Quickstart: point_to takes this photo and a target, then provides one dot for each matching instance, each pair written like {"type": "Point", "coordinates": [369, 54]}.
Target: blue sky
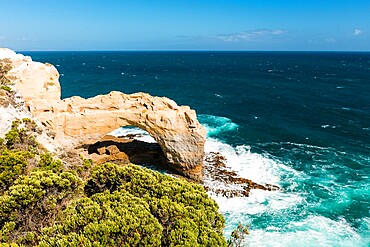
{"type": "Point", "coordinates": [185, 25]}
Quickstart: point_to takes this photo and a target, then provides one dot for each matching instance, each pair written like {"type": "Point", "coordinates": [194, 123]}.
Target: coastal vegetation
{"type": "Point", "coordinates": [5, 67]}
{"type": "Point", "coordinates": [238, 236]}
{"type": "Point", "coordinates": [6, 88]}
{"type": "Point", "coordinates": [46, 202]}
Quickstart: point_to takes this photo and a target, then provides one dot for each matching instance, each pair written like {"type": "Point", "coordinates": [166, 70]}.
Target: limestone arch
{"type": "Point", "coordinates": [75, 120]}
{"type": "Point", "coordinates": [175, 128]}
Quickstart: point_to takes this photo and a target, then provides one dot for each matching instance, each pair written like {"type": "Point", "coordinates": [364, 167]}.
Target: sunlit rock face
{"type": "Point", "coordinates": [78, 121]}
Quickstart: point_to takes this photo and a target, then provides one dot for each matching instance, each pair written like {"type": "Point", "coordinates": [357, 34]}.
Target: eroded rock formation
{"type": "Point", "coordinates": [78, 121]}
{"type": "Point", "coordinates": [221, 180]}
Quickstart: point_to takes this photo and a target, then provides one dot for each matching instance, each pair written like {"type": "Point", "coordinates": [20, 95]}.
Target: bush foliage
{"type": "Point", "coordinates": [188, 216]}
{"type": "Point", "coordinates": [45, 204]}
{"type": "Point", "coordinates": [105, 219]}
{"type": "Point", "coordinates": [12, 165]}
{"type": "Point", "coordinates": [6, 88]}
{"type": "Point", "coordinates": [21, 135]}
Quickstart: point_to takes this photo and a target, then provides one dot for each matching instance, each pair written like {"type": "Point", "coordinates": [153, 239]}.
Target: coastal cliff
{"type": "Point", "coordinates": [76, 121]}
{"type": "Point", "coordinates": [49, 199]}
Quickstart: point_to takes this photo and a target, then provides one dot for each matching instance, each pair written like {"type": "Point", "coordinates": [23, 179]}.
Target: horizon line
{"type": "Point", "coordinates": [183, 50]}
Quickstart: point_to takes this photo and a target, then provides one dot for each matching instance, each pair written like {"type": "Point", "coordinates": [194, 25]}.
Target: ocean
{"type": "Point", "coordinates": [299, 120]}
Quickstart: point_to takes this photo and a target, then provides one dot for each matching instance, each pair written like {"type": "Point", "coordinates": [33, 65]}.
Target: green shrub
{"type": "Point", "coordinates": [48, 163]}
{"type": "Point", "coordinates": [6, 88]}
{"type": "Point", "coordinates": [188, 216]}
{"type": "Point", "coordinates": [13, 136]}
{"type": "Point", "coordinates": [238, 236]}
{"type": "Point", "coordinates": [9, 245]}
{"type": "Point", "coordinates": [22, 137]}
{"type": "Point", "coordinates": [33, 202]}
{"type": "Point", "coordinates": [12, 165]}
{"type": "Point", "coordinates": [81, 165]}
{"type": "Point", "coordinates": [105, 219]}
{"type": "Point", "coordinates": [42, 203]}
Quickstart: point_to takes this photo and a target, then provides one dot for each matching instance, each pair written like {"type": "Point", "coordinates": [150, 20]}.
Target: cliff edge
{"type": "Point", "coordinates": [77, 121]}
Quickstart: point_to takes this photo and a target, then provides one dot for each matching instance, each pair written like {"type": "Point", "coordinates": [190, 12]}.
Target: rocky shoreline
{"type": "Point", "coordinates": [232, 184]}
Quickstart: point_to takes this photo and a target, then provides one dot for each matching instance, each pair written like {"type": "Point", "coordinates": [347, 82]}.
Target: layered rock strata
{"type": "Point", "coordinates": [77, 121]}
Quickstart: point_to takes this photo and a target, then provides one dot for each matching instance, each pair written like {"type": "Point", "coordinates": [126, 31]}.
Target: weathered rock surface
{"type": "Point", "coordinates": [226, 182]}
{"type": "Point", "coordinates": [77, 121]}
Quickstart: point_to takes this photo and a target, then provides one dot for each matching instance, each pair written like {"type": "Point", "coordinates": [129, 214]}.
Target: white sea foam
{"type": "Point", "coordinates": [140, 134]}
{"type": "Point", "coordinates": [249, 165]}
{"type": "Point", "coordinates": [260, 169]}
{"type": "Point", "coordinates": [312, 231]}
{"type": "Point", "coordinates": [300, 145]}
{"type": "Point", "coordinates": [324, 126]}
{"type": "Point", "coordinates": [258, 202]}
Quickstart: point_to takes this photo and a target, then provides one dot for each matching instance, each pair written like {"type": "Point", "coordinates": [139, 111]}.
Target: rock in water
{"type": "Point", "coordinates": [77, 120]}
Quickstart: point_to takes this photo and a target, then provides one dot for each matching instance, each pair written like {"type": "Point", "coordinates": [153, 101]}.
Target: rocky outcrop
{"type": "Point", "coordinates": [78, 121]}
{"type": "Point", "coordinates": [221, 180]}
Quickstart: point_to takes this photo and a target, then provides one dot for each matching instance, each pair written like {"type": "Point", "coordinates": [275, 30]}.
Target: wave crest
{"type": "Point", "coordinates": [216, 125]}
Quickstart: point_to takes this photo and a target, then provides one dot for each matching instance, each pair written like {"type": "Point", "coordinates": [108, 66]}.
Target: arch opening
{"type": "Point", "coordinates": [129, 144]}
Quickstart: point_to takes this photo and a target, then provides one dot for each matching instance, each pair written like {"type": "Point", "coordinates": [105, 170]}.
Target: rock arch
{"type": "Point", "coordinates": [77, 120]}
{"type": "Point", "coordinates": [175, 128]}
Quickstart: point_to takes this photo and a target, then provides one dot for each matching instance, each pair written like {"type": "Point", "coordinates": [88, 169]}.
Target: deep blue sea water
{"type": "Point", "coordinates": [300, 120]}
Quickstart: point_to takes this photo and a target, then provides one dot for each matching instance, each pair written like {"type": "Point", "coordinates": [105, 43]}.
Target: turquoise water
{"type": "Point", "coordinates": [297, 120]}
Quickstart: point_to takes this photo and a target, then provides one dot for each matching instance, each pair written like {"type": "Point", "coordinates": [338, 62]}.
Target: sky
{"type": "Point", "coordinates": [251, 25]}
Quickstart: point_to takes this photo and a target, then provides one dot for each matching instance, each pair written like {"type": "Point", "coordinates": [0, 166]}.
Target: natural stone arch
{"type": "Point", "coordinates": [76, 120]}
{"type": "Point", "coordinates": [175, 128]}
